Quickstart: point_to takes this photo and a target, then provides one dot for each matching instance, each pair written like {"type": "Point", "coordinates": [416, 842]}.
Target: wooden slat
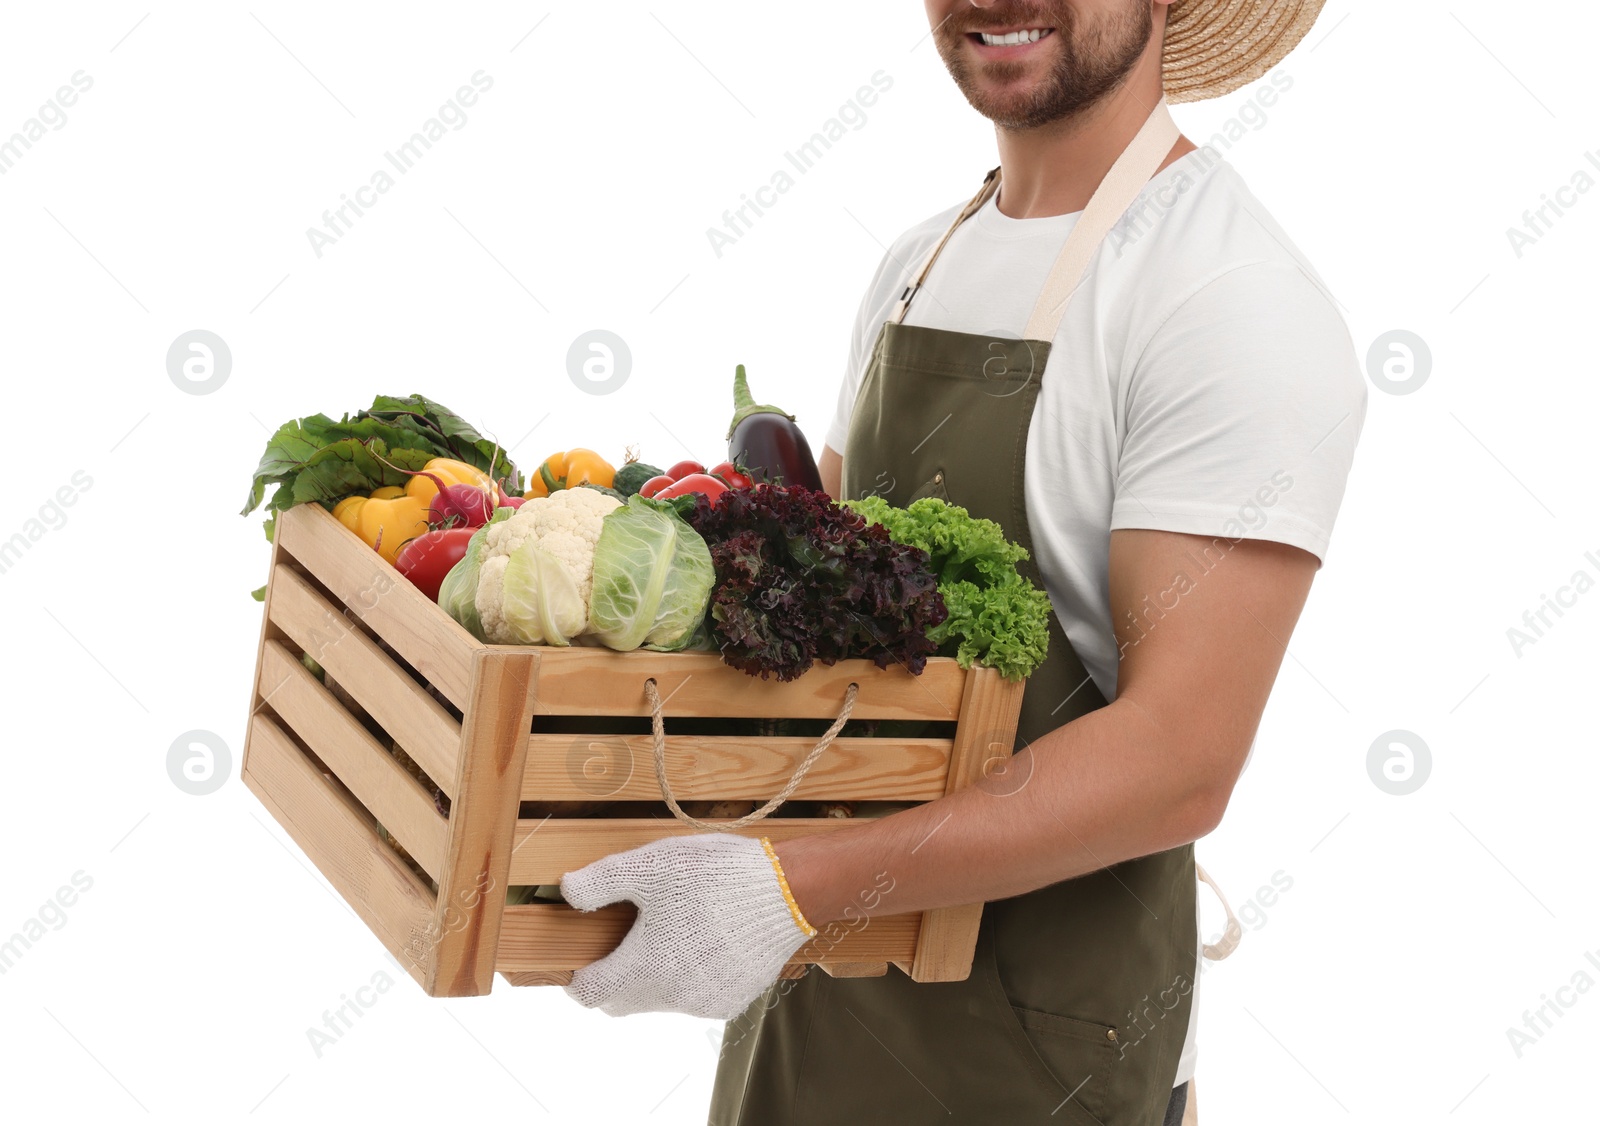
{"type": "Point", "coordinates": [856, 969]}
{"type": "Point", "coordinates": [364, 765]}
{"type": "Point", "coordinates": [428, 638]}
{"type": "Point", "coordinates": [728, 767]}
{"type": "Point", "coordinates": [552, 936]}
{"type": "Point", "coordinates": [414, 719]}
{"type": "Point", "coordinates": [881, 938]}
{"type": "Point", "coordinates": [987, 731]}
{"type": "Point", "coordinates": [540, 977]}
{"type": "Point", "coordinates": [338, 838]}
{"type": "Point", "coordinates": [587, 680]}
{"type": "Point", "coordinates": [546, 850]}
{"type": "Point", "coordinates": [495, 724]}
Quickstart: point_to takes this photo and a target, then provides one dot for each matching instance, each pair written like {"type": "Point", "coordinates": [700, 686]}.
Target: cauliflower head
{"type": "Point", "coordinates": [546, 551]}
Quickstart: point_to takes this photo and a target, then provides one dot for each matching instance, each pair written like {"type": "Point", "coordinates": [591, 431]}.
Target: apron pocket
{"type": "Point", "coordinates": [1079, 1054]}
{"type": "Point", "coordinates": [932, 487]}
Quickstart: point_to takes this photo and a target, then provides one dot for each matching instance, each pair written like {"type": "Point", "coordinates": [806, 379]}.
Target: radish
{"type": "Point", "coordinates": [465, 506]}
{"type": "Point", "coordinates": [507, 500]}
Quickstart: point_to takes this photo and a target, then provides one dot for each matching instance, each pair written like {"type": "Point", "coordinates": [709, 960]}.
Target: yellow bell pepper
{"type": "Point", "coordinates": [385, 520]}
{"type": "Point", "coordinates": [451, 472]}
{"type": "Point", "coordinates": [568, 470]}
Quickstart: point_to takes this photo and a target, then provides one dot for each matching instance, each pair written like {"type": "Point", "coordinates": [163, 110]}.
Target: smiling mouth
{"type": "Point", "coordinates": [1010, 38]}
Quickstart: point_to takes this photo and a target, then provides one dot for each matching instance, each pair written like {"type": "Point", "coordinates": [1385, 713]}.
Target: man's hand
{"type": "Point", "coordinates": [714, 927]}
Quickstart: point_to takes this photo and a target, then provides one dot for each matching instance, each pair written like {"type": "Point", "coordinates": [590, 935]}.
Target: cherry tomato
{"type": "Point", "coordinates": [694, 483]}
{"type": "Point", "coordinates": [427, 559]}
{"type": "Point", "coordinates": [730, 475]}
{"type": "Point", "coordinates": [683, 468]}
{"type": "Point", "coordinates": [653, 486]}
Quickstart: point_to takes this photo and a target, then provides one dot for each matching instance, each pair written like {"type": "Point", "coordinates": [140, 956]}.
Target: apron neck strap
{"type": "Point", "coordinates": [1116, 193]}
{"type": "Point", "coordinates": [991, 184]}
{"type": "Point", "coordinates": [1122, 184]}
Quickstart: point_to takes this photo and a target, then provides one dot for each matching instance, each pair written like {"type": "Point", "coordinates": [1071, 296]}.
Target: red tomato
{"type": "Point", "coordinates": [653, 486]}
{"type": "Point", "coordinates": [427, 559]}
{"type": "Point", "coordinates": [681, 470]}
{"type": "Point", "coordinates": [729, 475]}
{"type": "Point", "coordinates": [694, 483]}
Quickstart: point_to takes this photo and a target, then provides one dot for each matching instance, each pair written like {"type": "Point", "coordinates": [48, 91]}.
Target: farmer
{"type": "Point", "coordinates": [1115, 352]}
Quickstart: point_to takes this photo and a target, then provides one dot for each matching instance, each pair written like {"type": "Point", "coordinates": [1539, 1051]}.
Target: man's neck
{"type": "Point", "coordinates": [1053, 170]}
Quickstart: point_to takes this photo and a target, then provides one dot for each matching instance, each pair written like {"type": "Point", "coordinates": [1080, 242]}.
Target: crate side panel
{"type": "Point", "coordinates": [585, 680]}
{"type": "Point", "coordinates": [428, 638]}
{"type": "Point", "coordinates": [418, 722]}
{"type": "Point", "coordinates": [733, 768]}
{"type": "Point", "coordinates": [545, 850]}
{"type": "Point", "coordinates": [366, 767]}
{"type": "Point", "coordinates": [545, 937]}
{"type": "Point", "coordinates": [383, 892]}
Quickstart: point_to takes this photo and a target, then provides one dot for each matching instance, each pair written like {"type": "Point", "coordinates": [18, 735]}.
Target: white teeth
{"type": "Point", "coordinates": [1011, 39]}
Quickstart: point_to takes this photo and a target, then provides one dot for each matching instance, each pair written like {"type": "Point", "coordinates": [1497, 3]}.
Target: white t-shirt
{"type": "Point", "coordinates": [1202, 381]}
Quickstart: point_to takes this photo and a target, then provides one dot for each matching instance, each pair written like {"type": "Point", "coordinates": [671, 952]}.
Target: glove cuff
{"type": "Point", "coordinates": [788, 896]}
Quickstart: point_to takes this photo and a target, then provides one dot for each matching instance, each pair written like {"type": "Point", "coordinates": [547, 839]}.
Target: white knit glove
{"type": "Point", "coordinates": [714, 926]}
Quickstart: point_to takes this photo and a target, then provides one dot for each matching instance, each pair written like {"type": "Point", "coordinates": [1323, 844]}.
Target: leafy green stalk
{"type": "Point", "coordinates": [997, 616]}
{"type": "Point", "coordinates": [317, 459]}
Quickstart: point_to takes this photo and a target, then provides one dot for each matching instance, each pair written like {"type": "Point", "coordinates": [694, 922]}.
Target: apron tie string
{"type": "Point", "coordinates": [1216, 951]}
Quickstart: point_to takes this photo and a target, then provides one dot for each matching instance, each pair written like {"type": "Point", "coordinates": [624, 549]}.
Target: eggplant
{"type": "Point", "coordinates": [766, 441]}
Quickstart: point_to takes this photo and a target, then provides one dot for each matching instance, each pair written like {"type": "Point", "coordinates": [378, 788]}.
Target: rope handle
{"type": "Point", "coordinates": [658, 730]}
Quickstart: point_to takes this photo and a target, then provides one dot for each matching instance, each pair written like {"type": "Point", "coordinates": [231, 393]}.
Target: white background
{"type": "Point", "coordinates": [181, 986]}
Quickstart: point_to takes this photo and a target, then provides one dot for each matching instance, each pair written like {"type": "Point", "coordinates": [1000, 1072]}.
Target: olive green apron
{"type": "Point", "coordinates": [1078, 1002]}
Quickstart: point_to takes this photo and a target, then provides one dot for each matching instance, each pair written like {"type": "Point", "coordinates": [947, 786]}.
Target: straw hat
{"type": "Point", "coordinates": [1213, 47]}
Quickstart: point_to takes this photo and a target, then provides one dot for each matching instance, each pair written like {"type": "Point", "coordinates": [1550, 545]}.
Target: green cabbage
{"type": "Point", "coordinates": [652, 578]}
{"type": "Point", "coordinates": [458, 593]}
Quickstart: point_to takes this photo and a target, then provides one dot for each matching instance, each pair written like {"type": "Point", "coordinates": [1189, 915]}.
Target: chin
{"type": "Point", "coordinates": [1007, 92]}
{"type": "Point", "coordinates": [1012, 107]}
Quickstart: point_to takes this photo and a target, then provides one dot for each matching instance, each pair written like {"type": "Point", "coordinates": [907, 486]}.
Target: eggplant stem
{"type": "Point", "coordinates": [745, 405]}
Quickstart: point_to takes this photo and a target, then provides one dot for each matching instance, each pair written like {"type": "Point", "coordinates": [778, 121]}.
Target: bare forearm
{"type": "Point", "coordinates": [1102, 789]}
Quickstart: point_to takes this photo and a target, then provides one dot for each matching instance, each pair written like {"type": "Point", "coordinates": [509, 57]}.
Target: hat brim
{"type": "Point", "coordinates": [1213, 47]}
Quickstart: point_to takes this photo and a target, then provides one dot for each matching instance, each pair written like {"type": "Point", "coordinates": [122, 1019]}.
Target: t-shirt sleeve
{"type": "Point", "coordinates": [1242, 413]}
{"type": "Point", "coordinates": [862, 337]}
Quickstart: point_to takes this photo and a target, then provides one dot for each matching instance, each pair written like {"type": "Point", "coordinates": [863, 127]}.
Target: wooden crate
{"type": "Point", "coordinates": [469, 714]}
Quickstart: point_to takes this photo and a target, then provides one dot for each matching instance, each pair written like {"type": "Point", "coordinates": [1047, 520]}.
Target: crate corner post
{"type": "Point", "coordinates": [985, 731]}
{"type": "Point", "coordinates": [495, 727]}
{"type": "Point", "coordinates": [268, 632]}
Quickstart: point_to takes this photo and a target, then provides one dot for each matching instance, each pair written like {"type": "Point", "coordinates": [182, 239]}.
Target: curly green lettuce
{"type": "Point", "coordinates": [997, 616]}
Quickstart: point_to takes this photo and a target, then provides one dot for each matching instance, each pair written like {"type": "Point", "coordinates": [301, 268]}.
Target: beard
{"type": "Point", "coordinates": [1092, 60]}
